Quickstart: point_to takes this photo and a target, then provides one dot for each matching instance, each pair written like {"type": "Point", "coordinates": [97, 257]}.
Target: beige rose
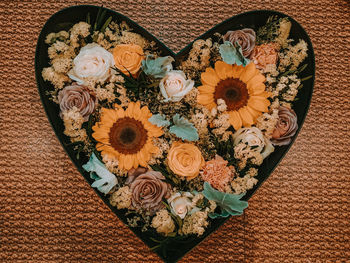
{"type": "Point", "coordinates": [185, 159]}
{"type": "Point", "coordinates": [128, 58]}
{"type": "Point", "coordinates": [181, 204]}
{"type": "Point", "coordinates": [92, 62]}
{"type": "Point", "coordinates": [174, 86]}
{"type": "Point", "coordinates": [265, 54]}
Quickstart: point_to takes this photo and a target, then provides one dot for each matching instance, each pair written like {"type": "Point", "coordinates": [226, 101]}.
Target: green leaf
{"type": "Point", "coordinates": [232, 54]}
{"type": "Point", "coordinates": [230, 204]}
{"type": "Point", "coordinates": [159, 120]}
{"type": "Point", "coordinates": [183, 129]}
{"type": "Point", "coordinates": [106, 180]}
{"type": "Point", "coordinates": [157, 67]}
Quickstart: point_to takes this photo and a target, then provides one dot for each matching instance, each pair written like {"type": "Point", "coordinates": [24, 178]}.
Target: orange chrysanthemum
{"type": "Point", "coordinates": [242, 89]}
{"type": "Point", "coordinates": [126, 135]}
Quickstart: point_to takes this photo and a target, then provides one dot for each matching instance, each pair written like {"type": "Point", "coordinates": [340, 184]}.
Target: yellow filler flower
{"type": "Point", "coordinates": [126, 135]}
{"type": "Point", "coordinates": [242, 89]}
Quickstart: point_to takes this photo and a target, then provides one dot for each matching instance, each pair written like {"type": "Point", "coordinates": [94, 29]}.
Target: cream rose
{"type": "Point", "coordinates": [185, 159]}
{"type": "Point", "coordinates": [128, 58]}
{"type": "Point", "coordinates": [174, 86]}
{"type": "Point", "coordinates": [92, 62]}
{"type": "Point", "coordinates": [181, 204]}
{"type": "Point", "coordinates": [254, 138]}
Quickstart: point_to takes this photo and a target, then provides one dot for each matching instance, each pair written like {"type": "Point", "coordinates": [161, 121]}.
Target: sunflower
{"type": "Point", "coordinates": [242, 89]}
{"type": "Point", "coordinates": [126, 135]}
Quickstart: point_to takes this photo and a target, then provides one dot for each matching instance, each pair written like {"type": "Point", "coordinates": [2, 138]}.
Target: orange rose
{"type": "Point", "coordinates": [128, 58]}
{"type": "Point", "coordinates": [185, 159]}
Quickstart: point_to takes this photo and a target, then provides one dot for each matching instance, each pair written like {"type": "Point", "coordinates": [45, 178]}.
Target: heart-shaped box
{"type": "Point", "coordinates": [65, 18]}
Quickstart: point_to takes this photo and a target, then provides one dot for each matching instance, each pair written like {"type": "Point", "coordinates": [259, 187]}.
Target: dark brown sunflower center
{"type": "Point", "coordinates": [233, 91]}
{"type": "Point", "coordinates": [127, 135]}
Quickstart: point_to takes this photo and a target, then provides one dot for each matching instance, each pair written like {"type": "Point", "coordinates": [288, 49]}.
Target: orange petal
{"type": "Point", "coordinates": [237, 71]}
{"type": "Point", "coordinates": [255, 88]}
{"type": "Point", "coordinates": [248, 72]}
{"type": "Point", "coordinates": [145, 112]}
{"type": "Point", "coordinates": [258, 78]}
{"type": "Point", "coordinates": [206, 89]}
{"type": "Point", "coordinates": [128, 161]}
{"type": "Point", "coordinates": [253, 112]}
{"type": "Point", "coordinates": [259, 103]}
{"type": "Point", "coordinates": [130, 110]}
{"type": "Point", "coordinates": [205, 99]}
{"type": "Point", "coordinates": [247, 118]}
{"type": "Point", "coordinates": [235, 119]}
{"type": "Point", "coordinates": [209, 77]}
{"type": "Point", "coordinates": [223, 70]}
{"type": "Point", "coordinates": [141, 159]}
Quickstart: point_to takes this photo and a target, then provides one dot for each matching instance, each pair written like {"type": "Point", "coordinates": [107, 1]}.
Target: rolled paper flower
{"type": "Point", "coordinates": [77, 96]}
{"type": "Point", "coordinates": [245, 38]}
{"type": "Point", "coordinates": [148, 190]}
{"type": "Point", "coordinates": [265, 54]}
{"type": "Point", "coordinates": [128, 58]}
{"type": "Point", "coordinates": [185, 159]}
{"type": "Point", "coordinates": [286, 126]}
{"type": "Point", "coordinates": [92, 62]}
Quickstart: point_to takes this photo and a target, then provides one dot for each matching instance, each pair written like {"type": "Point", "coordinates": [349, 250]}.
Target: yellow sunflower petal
{"type": "Point", "coordinates": [255, 88]}
{"type": "Point", "coordinates": [259, 103]}
{"type": "Point", "coordinates": [209, 77]}
{"type": "Point", "coordinates": [254, 113]}
{"type": "Point", "coordinates": [121, 159]}
{"type": "Point", "coordinates": [205, 98]}
{"type": "Point", "coordinates": [137, 111]}
{"type": "Point", "coordinates": [130, 110]}
{"type": "Point", "coordinates": [247, 118]}
{"type": "Point", "coordinates": [141, 159]}
{"type": "Point", "coordinates": [235, 119]}
{"type": "Point", "coordinates": [237, 71]}
{"type": "Point", "coordinates": [108, 116]}
{"type": "Point", "coordinates": [223, 70]}
{"type": "Point", "coordinates": [206, 89]}
{"type": "Point", "coordinates": [145, 112]}
{"type": "Point", "coordinates": [257, 78]}
{"type": "Point", "coordinates": [248, 72]}
{"type": "Point", "coordinates": [128, 161]}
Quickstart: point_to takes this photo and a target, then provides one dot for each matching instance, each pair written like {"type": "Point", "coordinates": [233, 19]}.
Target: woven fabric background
{"type": "Point", "coordinates": [48, 213]}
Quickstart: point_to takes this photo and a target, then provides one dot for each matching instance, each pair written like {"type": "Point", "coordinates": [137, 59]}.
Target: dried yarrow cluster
{"type": "Point", "coordinates": [175, 147]}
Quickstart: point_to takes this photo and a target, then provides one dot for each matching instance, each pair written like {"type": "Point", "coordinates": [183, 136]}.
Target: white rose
{"type": "Point", "coordinates": [174, 86]}
{"type": "Point", "coordinates": [254, 138]}
{"type": "Point", "coordinates": [92, 62]}
{"type": "Point", "coordinates": [180, 204]}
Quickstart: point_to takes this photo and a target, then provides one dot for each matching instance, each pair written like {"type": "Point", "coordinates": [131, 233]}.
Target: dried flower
{"type": "Point", "coordinates": [77, 96]}
{"type": "Point", "coordinates": [128, 58]}
{"type": "Point", "coordinates": [245, 38]}
{"type": "Point", "coordinates": [185, 159]}
{"type": "Point", "coordinates": [264, 55]}
{"type": "Point", "coordinates": [148, 190]}
{"type": "Point", "coordinates": [286, 126]}
{"type": "Point", "coordinates": [217, 173]}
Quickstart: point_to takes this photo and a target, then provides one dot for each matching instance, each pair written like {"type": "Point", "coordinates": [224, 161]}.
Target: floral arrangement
{"type": "Point", "coordinates": [175, 144]}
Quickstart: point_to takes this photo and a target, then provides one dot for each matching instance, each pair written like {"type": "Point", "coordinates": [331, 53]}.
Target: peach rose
{"type": "Point", "coordinates": [185, 159]}
{"type": "Point", "coordinates": [265, 54]}
{"type": "Point", "coordinates": [128, 58]}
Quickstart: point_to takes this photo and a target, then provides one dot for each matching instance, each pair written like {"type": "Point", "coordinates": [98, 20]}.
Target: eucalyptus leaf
{"type": "Point", "coordinates": [105, 180]}
{"type": "Point", "coordinates": [230, 204]}
{"type": "Point", "coordinates": [159, 120]}
{"type": "Point", "coordinates": [232, 54]}
{"type": "Point", "coordinates": [183, 129]}
{"type": "Point", "coordinates": [157, 67]}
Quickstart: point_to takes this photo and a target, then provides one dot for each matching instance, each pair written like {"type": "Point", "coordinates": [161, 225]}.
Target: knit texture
{"type": "Point", "coordinates": [48, 213]}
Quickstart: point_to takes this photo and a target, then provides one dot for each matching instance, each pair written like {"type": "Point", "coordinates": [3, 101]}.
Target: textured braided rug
{"type": "Point", "coordinates": [48, 213]}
